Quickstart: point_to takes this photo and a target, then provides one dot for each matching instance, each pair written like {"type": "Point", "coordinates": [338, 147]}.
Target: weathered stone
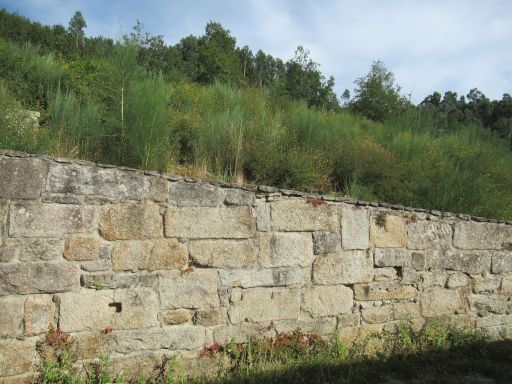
{"type": "Point", "coordinates": [262, 216]}
{"type": "Point", "coordinates": [428, 234]}
{"type": "Point", "coordinates": [204, 223]}
{"type": "Point", "coordinates": [355, 228]}
{"type": "Point", "coordinates": [493, 321]}
{"type": "Point", "coordinates": [385, 274]}
{"type": "Point", "coordinates": [223, 253]}
{"type": "Point", "coordinates": [383, 291]}
{"type": "Point", "coordinates": [7, 254]}
{"type": "Point", "coordinates": [438, 301]}
{"type": "Point", "coordinates": [11, 317]}
{"type": "Point", "coordinates": [248, 278]}
{"type": "Point", "coordinates": [39, 314]}
{"type": "Point", "coordinates": [501, 262]}
{"type": "Point", "coordinates": [118, 280]}
{"type": "Point", "coordinates": [21, 379]}
{"type": "Point", "coordinates": [91, 345]}
{"type": "Point", "coordinates": [474, 262]}
{"type": "Point", "coordinates": [346, 267]}
{"type": "Point", "coordinates": [457, 280]}
{"type": "Point", "coordinates": [485, 304]}
{"type": "Point", "coordinates": [320, 326]}
{"type": "Point", "coordinates": [22, 179]}
{"type": "Point", "coordinates": [433, 278]}
{"type": "Point", "coordinates": [265, 304]}
{"type": "Point", "coordinates": [107, 183]}
{"type": "Point", "coordinates": [158, 189]}
{"type": "Point", "coordinates": [4, 208]}
{"type": "Point", "coordinates": [388, 231]}
{"type": "Point", "coordinates": [17, 357]}
{"type": "Point", "coordinates": [208, 317]}
{"type": "Point", "coordinates": [240, 333]}
{"type": "Point", "coordinates": [391, 312]}
{"type": "Point", "coordinates": [239, 197]}
{"type": "Point", "coordinates": [389, 257]}
{"type": "Point", "coordinates": [196, 194]}
{"type": "Point", "coordinates": [418, 260]}
{"type": "Point", "coordinates": [38, 249]}
{"type": "Point", "coordinates": [328, 300]}
{"type": "Point", "coordinates": [119, 309]}
{"type": "Point", "coordinates": [97, 265]}
{"type": "Point", "coordinates": [176, 316]}
{"type": "Point", "coordinates": [135, 366]}
{"type": "Point", "coordinates": [506, 287]}
{"type": "Point", "coordinates": [82, 248]}
{"type": "Point", "coordinates": [472, 235]}
{"type": "Point", "coordinates": [38, 277]}
{"type": "Point", "coordinates": [288, 249]}
{"type": "Point", "coordinates": [131, 221]}
{"type": "Point", "coordinates": [486, 283]}
{"type": "Point", "coordinates": [183, 337]}
{"type": "Point", "coordinates": [195, 289]}
{"type": "Point", "coordinates": [296, 215]}
{"type": "Point", "coordinates": [326, 242]}
{"type": "Point", "coordinates": [50, 220]}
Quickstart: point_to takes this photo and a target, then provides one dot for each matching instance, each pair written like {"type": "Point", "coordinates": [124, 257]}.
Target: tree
{"type": "Point", "coordinates": [76, 28]}
{"type": "Point", "coordinates": [376, 96]}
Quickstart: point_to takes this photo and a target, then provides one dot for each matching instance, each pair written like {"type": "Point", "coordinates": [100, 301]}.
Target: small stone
{"type": "Point", "coordinates": [39, 314]}
{"type": "Point", "coordinates": [177, 316]}
{"type": "Point", "coordinates": [131, 221]}
{"type": "Point", "coordinates": [457, 280]}
{"type": "Point", "coordinates": [159, 189]}
{"type": "Point", "coordinates": [209, 317]}
{"type": "Point", "coordinates": [82, 248]}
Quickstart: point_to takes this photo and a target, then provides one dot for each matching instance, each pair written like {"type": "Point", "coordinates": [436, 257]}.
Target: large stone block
{"type": "Point", "coordinates": [287, 249]}
{"type": "Point", "coordinates": [264, 304]}
{"type": "Point", "coordinates": [472, 235]}
{"type": "Point", "coordinates": [296, 215]}
{"type": "Point", "coordinates": [391, 312]}
{"type": "Point", "coordinates": [11, 317]}
{"type": "Point", "coordinates": [346, 267]}
{"type": "Point", "coordinates": [82, 248]}
{"type": "Point", "coordinates": [214, 223]}
{"type": "Point", "coordinates": [149, 255]}
{"type": "Point", "coordinates": [393, 257]}
{"type": "Point", "coordinates": [50, 220]}
{"type": "Point", "coordinates": [428, 234]}
{"type": "Point", "coordinates": [249, 278]}
{"type": "Point", "coordinates": [438, 301]}
{"type": "Point", "coordinates": [131, 221]}
{"type": "Point", "coordinates": [485, 304]}
{"type": "Point", "coordinates": [22, 179]}
{"type": "Point", "coordinates": [106, 183]}
{"type": "Point", "coordinates": [383, 291]}
{"type": "Point", "coordinates": [326, 242]}
{"type": "Point", "coordinates": [195, 194]}
{"type": "Point", "coordinates": [333, 300]}
{"type": "Point", "coordinates": [355, 228]}
{"type": "Point", "coordinates": [27, 278]}
{"type": "Point", "coordinates": [90, 310]}
{"type": "Point", "coordinates": [474, 262]}
{"type": "Point", "coordinates": [192, 290]}
{"type": "Point", "coordinates": [221, 253]}
{"type": "Point", "coordinates": [388, 231]}
{"type": "Point", "coordinates": [17, 357]}
{"type": "Point", "coordinates": [39, 314]}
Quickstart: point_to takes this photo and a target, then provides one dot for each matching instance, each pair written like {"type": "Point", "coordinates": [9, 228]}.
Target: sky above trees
{"type": "Point", "coordinates": [435, 45]}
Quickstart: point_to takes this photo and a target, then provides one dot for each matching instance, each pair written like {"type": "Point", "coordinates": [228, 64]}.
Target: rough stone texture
{"type": "Point", "coordinates": [159, 189]}
{"type": "Point", "coordinates": [391, 257]}
{"type": "Point", "coordinates": [194, 289]}
{"type": "Point", "coordinates": [109, 183]}
{"type": "Point", "coordinates": [326, 242]}
{"type": "Point", "coordinates": [249, 278]}
{"type": "Point", "coordinates": [288, 249]}
{"type": "Point", "coordinates": [469, 262]}
{"type": "Point", "coordinates": [39, 314]}
{"type": "Point", "coordinates": [176, 316]}
{"type": "Point", "coordinates": [38, 278]}
{"type": "Point", "coordinates": [96, 310]}
{"type": "Point", "coordinates": [50, 220]}
{"type": "Point", "coordinates": [7, 254]}
{"type": "Point", "coordinates": [262, 216]}
{"type": "Point", "coordinates": [296, 215]}
{"type": "Point", "coordinates": [328, 300]}
{"type": "Point", "coordinates": [37, 249]}
{"type": "Point", "coordinates": [391, 234]}
{"type": "Point", "coordinates": [195, 194]}
{"type": "Point", "coordinates": [17, 357]}
{"type": "Point", "coordinates": [485, 304]}
{"type": "Point", "coordinates": [391, 312]}
{"type": "Point", "coordinates": [239, 197]}
{"type": "Point", "coordinates": [506, 287]}
{"type": "Point", "coordinates": [428, 235]}
{"type": "Point", "coordinates": [383, 291]}
{"type": "Point", "coordinates": [204, 223]}
{"type": "Point", "coordinates": [4, 208]}
{"type": "Point", "coordinates": [355, 228]}
{"type": "Point", "coordinates": [131, 221]}
{"type": "Point", "coordinates": [471, 235]}
{"type": "Point", "coordinates": [321, 326]}
{"type": "Point", "coordinates": [22, 179]}
{"type": "Point", "coordinates": [501, 262]}
{"type": "Point", "coordinates": [240, 333]}
{"type": "Point", "coordinates": [97, 265]}
{"type": "Point", "coordinates": [11, 317]}
{"type": "Point", "coordinates": [457, 280]}
{"type": "Point", "coordinates": [118, 280]}
{"type": "Point", "coordinates": [82, 248]}
{"type": "Point", "coordinates": [346, 267]}
{"type": "Point", "coordinates": [90, 345]}
{"type": "Point", "coordinates": [438, 301]}
{"type": "Point", "coordinates": [149, 255]}
{"type": "Point", "coordinates": [486, 284]}
{"type": "Point", "coordinates": [223, 253]}
{"type": "Point", "coordinates": [210, 317]}
{"type": "Point", "coordinates": [264, 304]}
{"type": "Point", "coordinates": [385, 274]}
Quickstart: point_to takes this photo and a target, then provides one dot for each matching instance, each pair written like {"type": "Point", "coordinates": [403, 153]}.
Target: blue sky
{"type": "Point", "coordinates": [429, 44]}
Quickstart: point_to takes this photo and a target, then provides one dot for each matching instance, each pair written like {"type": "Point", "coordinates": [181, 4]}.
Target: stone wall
{"type": "Point", "coordinates": [137, 264]}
